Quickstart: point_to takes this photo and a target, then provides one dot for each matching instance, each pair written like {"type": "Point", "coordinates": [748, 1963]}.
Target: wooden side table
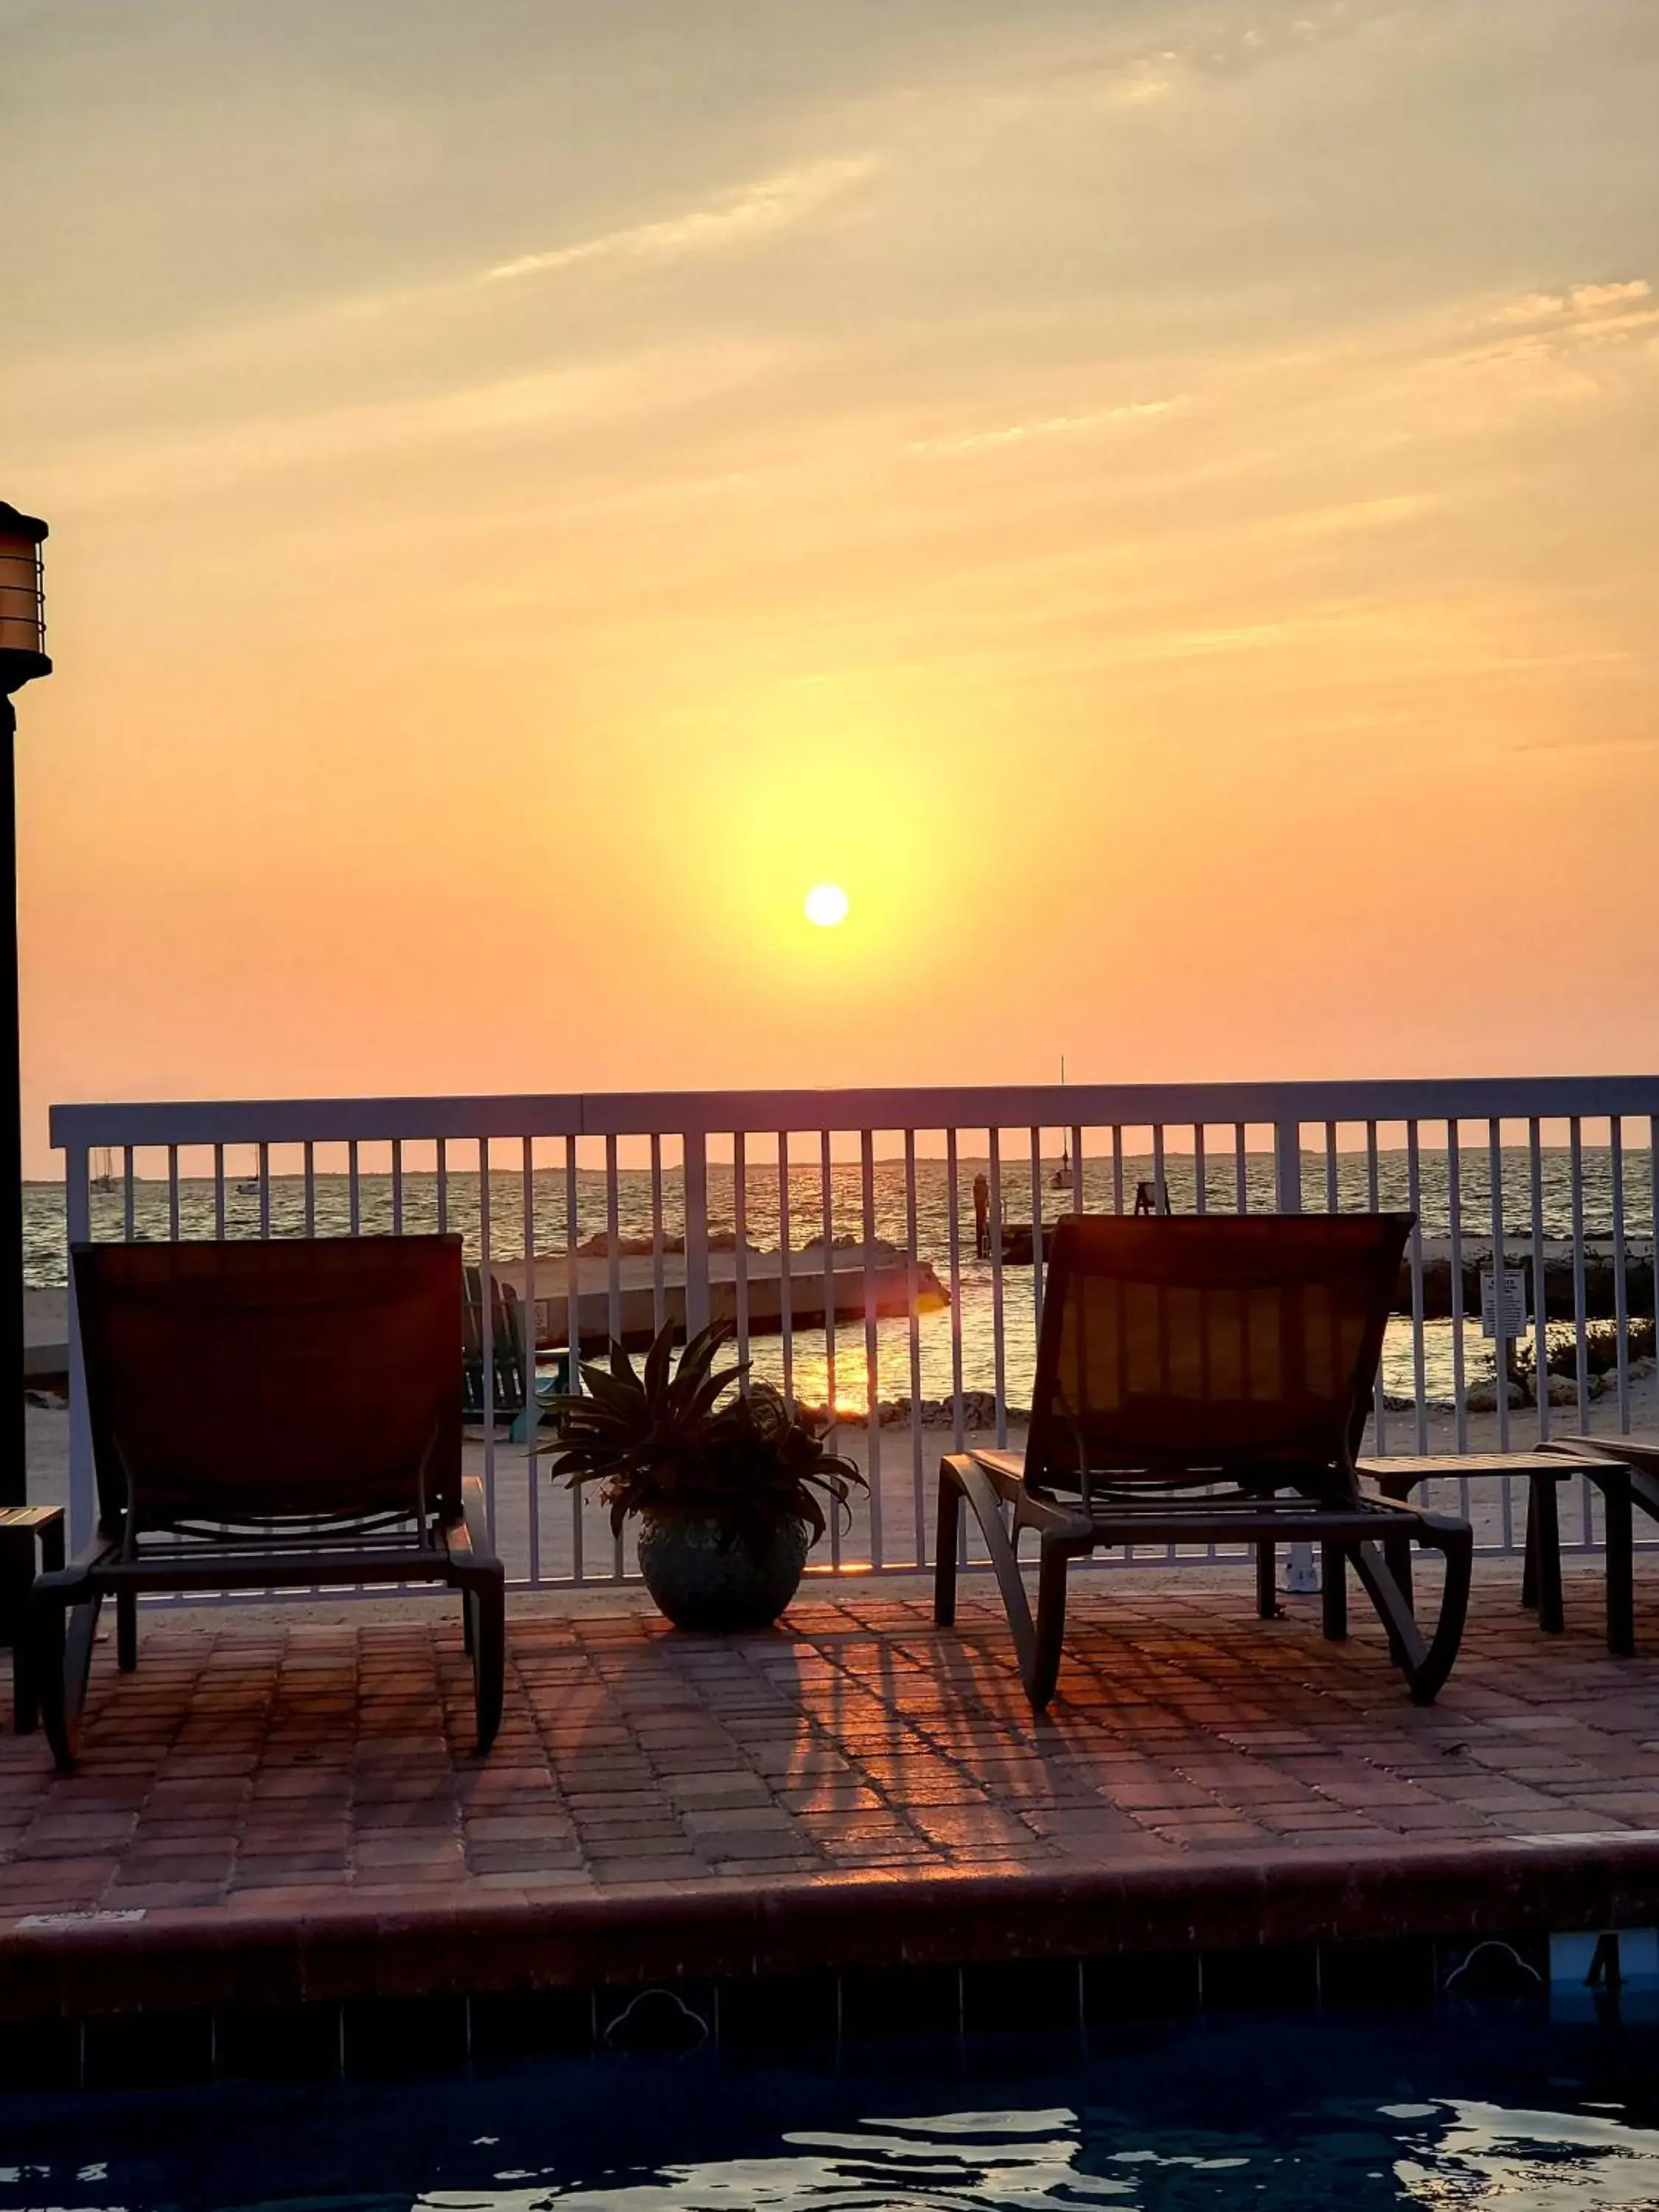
{"type": "Point", "coordinates": [22, 1529]}
{"type": "Point", "coordinates": [1397, 1475]}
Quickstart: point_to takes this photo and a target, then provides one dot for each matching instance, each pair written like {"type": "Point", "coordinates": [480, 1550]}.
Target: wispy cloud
{"type": "Point", "coordinates": [759, 211]}
{"type": "Point", "coordinates": [1580, 303]}
{"type": "Point", "coordinates": [1045, 427]}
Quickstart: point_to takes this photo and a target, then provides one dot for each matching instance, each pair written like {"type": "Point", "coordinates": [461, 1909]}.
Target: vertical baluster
{"type": "Point", "coordinates": [1037, 1230]}
{"type": "Point", "coordinates": [613, 1325]}
{"type": "Point", "coordinates": [1576, 1139]}
{"type": "Point", "coordinates": [487, 1334]}
{"type": "Point", "coordinates": [1077, 1168]}
{"type": "Point", "coordinates": [397, 1186]}
{"type": "Point", "coordinates": [1620, 1296]}
{"type": "Point", "coordinates": [1500, 1342]}
{"type": "Point", "coordinates": [1379, 1400]}
{"type": "Point", "coordinates": [827, 1206]}
{"type": "Point", "coordinates": [219, 1192]}
{"type": "Point", "coordinates": [1201, 1172]}
{"type": "Point", "coordinates": [998, 1345]}
{"type": "Point", "coordinates": [1333, 1193]}
{"type": "Point", "coordinates": [912, 1292]}
{"type": "Point", "coordinates": [311, 1186]}
{"type": "Point", "coordinates": [129, 1196]}
{"type": "Point", "coordinates": [1540, 1331]}
{"type": "Point", "coordinates": [953, 1219]}
{"type": "Point", "coordinates": [173, 1193]}
{"type": "Point", "coordinates": [265, 1190]}
{"type": "Point", "coordinates": [659, 1295]}
{"type": "Point", "coordinates": [1160, 1187]}
{"type": "Point", "coordinates": [354, 1191]}
{"type": "Point", "coordinates": [532, 1336]}
{"type": "Point", "coordinates": [573, 1331]}
{"type": "Point", "coordinates": [1455, 1224]}
{"type": "Point", "coordinates": [1419, 1365]}
{"type": "Point", "coordinates": [1287, 1166]}
{"type": "Point", "coordinates": [785, 1284]}
{"type": "Point", "coordinates": [77, 1225]}
{"type": "Point", "coordinates": [694, 1169]}
{"type": "Point", "coordinates": [442, 1173]}
{"type": "Point", "coordinates": [872, 1344]}
{"type": "Point", "coordinates": [1117, 1168]}
{"type": "Point", "coordinates": [1241, 1171]}
{"type": "Point", "coordinates": [739, 1243]}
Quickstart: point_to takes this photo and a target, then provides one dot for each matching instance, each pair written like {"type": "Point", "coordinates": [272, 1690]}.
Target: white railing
{"type": "Point", "coordinates": [820, 1221]}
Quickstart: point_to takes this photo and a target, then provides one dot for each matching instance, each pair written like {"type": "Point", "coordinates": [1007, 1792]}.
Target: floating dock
{"type": "Point", "coordinates": [879, 1274]}
{"type": "Point", "coordinates": [1560, 1298]}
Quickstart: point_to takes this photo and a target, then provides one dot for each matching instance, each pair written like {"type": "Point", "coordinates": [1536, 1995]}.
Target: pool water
{"type": "Point", "coordinates": [1281, 2115]}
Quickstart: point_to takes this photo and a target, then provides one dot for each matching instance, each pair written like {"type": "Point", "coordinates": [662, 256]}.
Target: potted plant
{"type": "Point", "coordinates": [731, 1485]}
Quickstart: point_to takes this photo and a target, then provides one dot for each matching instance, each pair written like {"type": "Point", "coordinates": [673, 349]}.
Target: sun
{"type": "Point", "coordinates": [827, 905]}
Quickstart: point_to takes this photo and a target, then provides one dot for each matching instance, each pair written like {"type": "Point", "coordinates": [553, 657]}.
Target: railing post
{"type": "Point", "coordinates": [77, 1217]}
{"type": "Point", "coordinates": [1287, 1166]}
{"type": "Point", "coordinates": [1301, 1567]}
{"type": "Point", "coordinates": [697, 1234]}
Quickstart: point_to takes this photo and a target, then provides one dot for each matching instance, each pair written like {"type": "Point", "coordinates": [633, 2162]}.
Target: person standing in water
{"type": "Point", "coordinates": [982, 1218]}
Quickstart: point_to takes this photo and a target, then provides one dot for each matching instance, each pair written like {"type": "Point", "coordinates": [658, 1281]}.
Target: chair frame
{"type": "Point", "coordinates": [442, 1536]}
{"type": "Point", "coordinates": [1010, 1495]}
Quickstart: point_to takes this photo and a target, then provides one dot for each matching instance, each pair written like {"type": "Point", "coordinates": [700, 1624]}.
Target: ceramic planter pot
{"type": "Point", "coordinates": [698, 1582]}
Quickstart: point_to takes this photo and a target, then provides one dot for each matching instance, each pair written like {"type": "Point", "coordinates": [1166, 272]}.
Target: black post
{"type": "Point", "coordinates": [14, 1460]}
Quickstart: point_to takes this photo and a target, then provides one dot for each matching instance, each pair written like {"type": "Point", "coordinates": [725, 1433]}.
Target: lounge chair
{"type": "Point", "coordinates": [1205, 1379]}
{"type": "Point", "coordinates": [269, 1416]}
{"type": "Point", "coordinates": [511, 1359]}
{"type": "Point", "coordinates": [507, 1348]}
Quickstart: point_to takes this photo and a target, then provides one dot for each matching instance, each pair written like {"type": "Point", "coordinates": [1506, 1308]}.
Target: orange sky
{"type": "Point", "coordinates": [1157, 499]}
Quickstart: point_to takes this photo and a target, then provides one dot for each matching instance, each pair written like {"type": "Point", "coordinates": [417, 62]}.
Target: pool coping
{"type": "Point", "coordinates": [61, 1966]}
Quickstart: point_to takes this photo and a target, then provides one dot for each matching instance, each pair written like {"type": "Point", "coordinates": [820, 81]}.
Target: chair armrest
{"type": "Point", "coordinates": [471, 1534]}
{"type": "Point", "coordinates": [73, 1576]}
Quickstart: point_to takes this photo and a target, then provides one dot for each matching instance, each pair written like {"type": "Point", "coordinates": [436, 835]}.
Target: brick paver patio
{"type": "Point", "coordinates": [286, 1769]}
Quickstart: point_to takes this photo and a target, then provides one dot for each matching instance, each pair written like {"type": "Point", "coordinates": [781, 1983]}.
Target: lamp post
{"type": "Point", "coordinates": [22, 656]}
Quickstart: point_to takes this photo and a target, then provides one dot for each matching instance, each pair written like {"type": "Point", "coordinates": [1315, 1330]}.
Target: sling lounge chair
{"type": "Point", "coordinates": [1205, 1379]}
{"type": "Point", "coordinates": [270, 1416]}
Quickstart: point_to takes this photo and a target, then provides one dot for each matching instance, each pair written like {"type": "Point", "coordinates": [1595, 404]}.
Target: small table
{"type": "Point", "coordinates": [22, 1529]}
{"type": "Point", "coordinates": [1396, 1475]}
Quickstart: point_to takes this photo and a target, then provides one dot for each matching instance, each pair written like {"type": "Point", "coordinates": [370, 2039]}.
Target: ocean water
{"type": "Point", "coordinates": [1280, 2115]}
{"type": "Point", "coordinates": [960, 1347]}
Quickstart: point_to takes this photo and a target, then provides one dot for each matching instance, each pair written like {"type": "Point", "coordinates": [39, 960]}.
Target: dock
{"type": "Point", "coordinates": [1560, 1295]}
{"type": "Point", "coordinates": [879, 1274]}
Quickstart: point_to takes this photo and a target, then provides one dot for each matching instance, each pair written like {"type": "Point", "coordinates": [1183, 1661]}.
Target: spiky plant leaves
{"type": "Point", "coordinates": [663, 1442]}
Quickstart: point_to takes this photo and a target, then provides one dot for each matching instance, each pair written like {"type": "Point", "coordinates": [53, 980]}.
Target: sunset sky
{"type": "Point", "coordinates": [1157, 500]}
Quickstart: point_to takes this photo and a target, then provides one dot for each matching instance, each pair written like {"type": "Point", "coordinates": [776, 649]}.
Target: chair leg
{"type": "Point", "coordinates": [1456, 1545]}
{"type": "Point", "coordinates": [1620, 1547]}
{"type": "Point", "coordinates": [17, 1587]}
{"type": "Point", "coordinates": [1267, 1607]}
{"type": "Point", "coordinates": [944, 1555]}
{"type": "Point", "coordinates": [1044, 1670]}
{"type": "Point", "coordinates": [62, 1631]}
{"type": "Point", "coordinates": [1530, 1552]}
{"type": "Point", "coordinates": [1545, 1523]}
{"type": "Point", "coordinates": [126, 1631]}
{"type": "Point", "coordinates": [1333, 1591]}
{"type": "Point", "coordinates": [484, 1608]}
{"type": "Point", "coordinates": [962, 1476]}
{"type": "Point", "coordinates": [1405, 1646]}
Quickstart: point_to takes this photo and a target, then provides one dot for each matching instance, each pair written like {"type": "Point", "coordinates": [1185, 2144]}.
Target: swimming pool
{"type": "Point", "coordinates": [1280, 2114]}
